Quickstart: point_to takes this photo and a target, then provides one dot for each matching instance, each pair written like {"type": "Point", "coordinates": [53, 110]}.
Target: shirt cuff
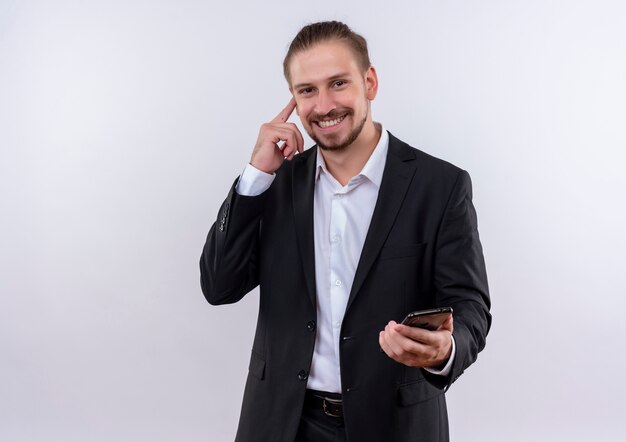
{"type": "Point", "coordinates": [254, 182]}
{"type": "Point", "coordinates": [445, 371]}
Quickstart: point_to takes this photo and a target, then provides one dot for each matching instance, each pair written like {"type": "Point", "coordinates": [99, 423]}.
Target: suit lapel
{"type": "Point", "coordinates": [303, 186]}
{"type": "Point", "coordinates": [398, 173]}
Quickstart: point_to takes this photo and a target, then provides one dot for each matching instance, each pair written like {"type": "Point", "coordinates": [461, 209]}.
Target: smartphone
{"type": "Point", "coordinates": [429, 319]}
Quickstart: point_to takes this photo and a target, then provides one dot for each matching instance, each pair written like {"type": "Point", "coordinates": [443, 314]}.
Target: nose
{"type": "Point", "coordinates": [324, 103]}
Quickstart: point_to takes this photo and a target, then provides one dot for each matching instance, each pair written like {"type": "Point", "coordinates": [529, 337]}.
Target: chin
{"type": "Point", "coordinates": [335, 147]}
{"type": "Point", "coordinates": [340, 144]}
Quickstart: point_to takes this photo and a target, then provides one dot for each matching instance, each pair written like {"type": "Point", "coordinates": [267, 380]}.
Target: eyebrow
{"type": "Point", "coordinates": [330, 79]}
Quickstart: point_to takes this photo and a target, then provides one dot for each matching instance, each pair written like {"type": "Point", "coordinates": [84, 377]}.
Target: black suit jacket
{"type": "Point", "coordinates": [422, 250]}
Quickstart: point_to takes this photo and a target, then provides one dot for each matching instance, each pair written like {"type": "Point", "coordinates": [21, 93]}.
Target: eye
{"type": "Point", "coordinates": [305, 91]}
{"type": "Point", "coordinates": [339, 83]}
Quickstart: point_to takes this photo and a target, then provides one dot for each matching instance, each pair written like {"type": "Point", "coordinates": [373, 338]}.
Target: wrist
{"type": "Point", "coordinates": [440, 363]}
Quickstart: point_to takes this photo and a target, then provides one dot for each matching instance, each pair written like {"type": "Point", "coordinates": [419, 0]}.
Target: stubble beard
{"type": "Point", "coordinates": [354, 134]}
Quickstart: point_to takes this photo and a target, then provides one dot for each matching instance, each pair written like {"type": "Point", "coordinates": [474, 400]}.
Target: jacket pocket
{"type": "Point", "coordinates": [402, 251]}
{"type": "Point", "coordinates": [257, 366]}
{"type": "Point", "coordinates": [416, 392]}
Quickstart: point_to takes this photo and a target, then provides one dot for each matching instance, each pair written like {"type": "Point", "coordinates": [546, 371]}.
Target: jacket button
{"type": "Point", "coordinates": [310, 326]}
{"type": "Point", "coordinates": [303, 375]}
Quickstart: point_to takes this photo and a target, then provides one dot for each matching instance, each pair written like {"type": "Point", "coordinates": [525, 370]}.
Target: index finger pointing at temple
{"type": "Point", "coordinates": [286, 112]}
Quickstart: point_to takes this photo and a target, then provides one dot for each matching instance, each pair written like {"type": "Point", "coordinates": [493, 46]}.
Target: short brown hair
{"type": "Point", "coordinates": [327, 31]}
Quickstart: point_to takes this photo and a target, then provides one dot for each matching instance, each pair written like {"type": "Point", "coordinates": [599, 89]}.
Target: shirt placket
{"type": "Point", "coordinates": [338, 259]}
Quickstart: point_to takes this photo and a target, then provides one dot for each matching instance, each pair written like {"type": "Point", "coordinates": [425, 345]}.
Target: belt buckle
{"type": "Point", "coordinates": [331, 411]}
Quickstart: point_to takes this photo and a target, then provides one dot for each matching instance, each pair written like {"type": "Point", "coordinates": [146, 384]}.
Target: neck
{"type": "Point", "coordinates": [348, 162]}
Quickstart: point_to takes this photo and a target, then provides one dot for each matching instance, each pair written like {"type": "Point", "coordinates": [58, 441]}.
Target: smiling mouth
{"type": "Point", "coordinates": [330, 123]}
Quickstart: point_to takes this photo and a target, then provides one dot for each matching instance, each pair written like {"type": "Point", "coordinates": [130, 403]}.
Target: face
{"type": "Point", "coordinates": [332, 94]}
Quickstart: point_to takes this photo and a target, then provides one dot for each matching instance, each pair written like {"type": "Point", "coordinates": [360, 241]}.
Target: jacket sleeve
{"type": "Point", "coordinates": [460, 278]}
{"type": "Point", "coordinates": [229, 262]}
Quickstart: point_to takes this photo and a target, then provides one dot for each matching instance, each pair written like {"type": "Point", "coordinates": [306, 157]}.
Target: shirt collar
{"type": "Point", "coordinates": [375, 166]}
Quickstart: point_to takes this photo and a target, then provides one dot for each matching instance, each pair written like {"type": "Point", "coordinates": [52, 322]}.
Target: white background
{"type": "Point", "coordinates": [124, 123]}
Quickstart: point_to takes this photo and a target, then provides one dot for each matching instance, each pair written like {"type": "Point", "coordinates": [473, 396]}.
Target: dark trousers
{"type": "Point", "coordinates": [316, 425]}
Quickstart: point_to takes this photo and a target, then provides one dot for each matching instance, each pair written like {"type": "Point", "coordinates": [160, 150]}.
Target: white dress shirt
{"type": "Point", "coordinates": [342, 216]}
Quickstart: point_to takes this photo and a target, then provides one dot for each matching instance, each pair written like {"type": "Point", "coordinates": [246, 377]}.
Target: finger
{"type": "Point", "coordinates": [269, 130]}
{"type": "Point", "coordinates": [300, 138]}
{"type": "Point", "coordinates": [431, 346]}
{"type": "Point", "coordinates": [298, 135]}
{"type": "Point", "coordinates": [392, 338]}
{"type": "Point", "coordinates": [384, 345]}
{"type": "Point", "coordinates": [282, 134]}
{"type": "Point", "coordinates": [290, 147]}
{"type": "Point", "coordinates": [291, 144]}
{"type": "Point", "coordinates": [284, 114]}
{"type": "Point", "coordinates": [407, 345]}
{"type": "Point", "coordinates": [414, 333]}
{"type": "Point", "coordinates": [405, 350]}
{"type": "Point", "coordinates": [424, 336]}
{"type": "Point", "coordinates": [448, 324]}
{"type": "Point", "coordinates": [413, 349]}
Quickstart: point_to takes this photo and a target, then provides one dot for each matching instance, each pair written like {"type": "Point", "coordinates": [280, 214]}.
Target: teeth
{"type": "Point", "coordinates": [330, 123]}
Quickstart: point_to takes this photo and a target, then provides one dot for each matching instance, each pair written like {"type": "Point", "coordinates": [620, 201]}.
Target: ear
{"type": "Point", "coordinates": [371, 83]}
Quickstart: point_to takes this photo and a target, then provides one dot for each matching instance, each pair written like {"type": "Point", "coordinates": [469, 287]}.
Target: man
{"type": "Point", "coordinates": [344, 239]}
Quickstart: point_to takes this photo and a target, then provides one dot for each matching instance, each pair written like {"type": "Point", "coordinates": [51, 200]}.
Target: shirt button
{"type": "Point", "coordinates": [337, 324]}
{"type": "Point", "coordinates": [338, 283]}
{"type": "Point", "coordinates": [303, 375]}
{"type": "Point", "coordinates": [310, 326]}
{"type": "Point", "coordinates": [336, 238]}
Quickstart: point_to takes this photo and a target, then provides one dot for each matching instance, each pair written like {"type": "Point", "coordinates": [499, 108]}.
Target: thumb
{"type": "Point", "coordinates": [448, 324]}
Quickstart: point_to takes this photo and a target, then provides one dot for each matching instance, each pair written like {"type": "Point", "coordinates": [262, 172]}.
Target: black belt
{"type": "Point", "coordinates": [330, 403]}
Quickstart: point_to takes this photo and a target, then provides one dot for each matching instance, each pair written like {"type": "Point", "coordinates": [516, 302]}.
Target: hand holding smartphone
{"type": "Point", "coordinates": [430, 319]}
